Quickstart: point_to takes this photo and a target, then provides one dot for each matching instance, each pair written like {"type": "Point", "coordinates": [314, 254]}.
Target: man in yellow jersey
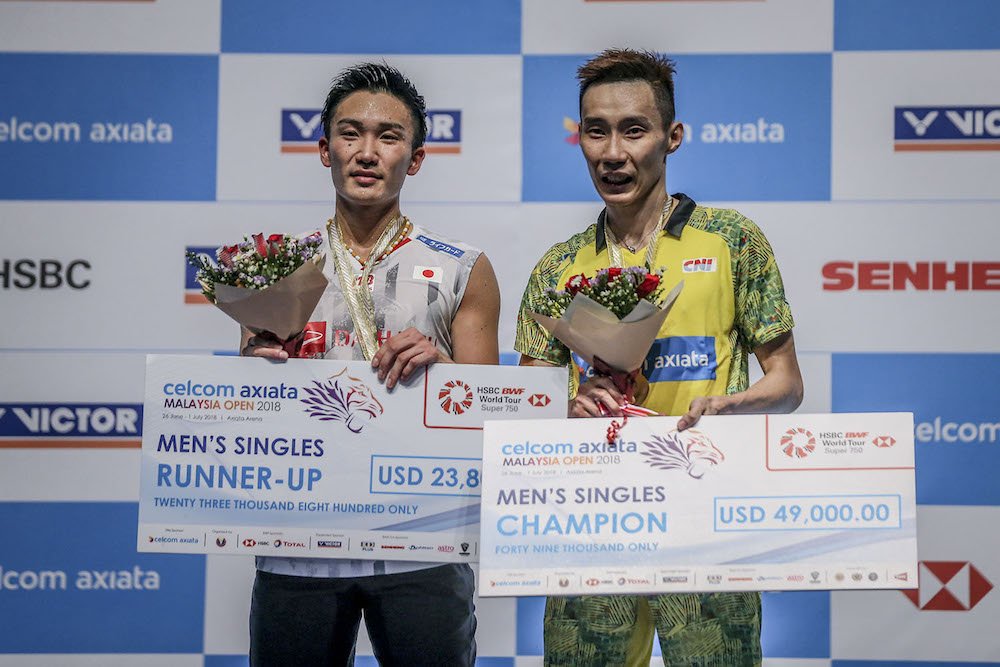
{"type": "Point", "coordinates": [733, 304]}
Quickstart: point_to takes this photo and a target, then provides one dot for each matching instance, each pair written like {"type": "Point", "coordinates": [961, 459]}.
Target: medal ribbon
{"type": "Point", "coordinates": [615, 246]}
{"type": "Point", "coordinates": [359, 297]}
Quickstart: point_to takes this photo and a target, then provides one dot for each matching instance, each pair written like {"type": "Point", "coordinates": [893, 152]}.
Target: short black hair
{"type": "Point", "coordinates": [616, 65]}
{"type": "Point", "coordinates": [377, 78]}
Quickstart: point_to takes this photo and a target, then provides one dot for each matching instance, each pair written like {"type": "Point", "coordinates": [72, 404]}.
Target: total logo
{"type": "Point", "coordinates": [455, 397]}
{"type": "Point", "coordinates": [893, 276]}
{"type": "Point", "coordinates": [539, 400]}
{"type": "Point", "coordinates": [954, 128]}
{"type": "Point", "coordinates": [797, 443]}
{"type": "Point", "coordinates": [948, 586]}
{"type": "Point", "coordinates": [301, 130]}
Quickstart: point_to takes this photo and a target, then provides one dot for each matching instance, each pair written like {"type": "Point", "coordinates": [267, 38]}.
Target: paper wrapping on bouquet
{"type": "Point", "coordinates": [283, 308]}
{"type": "Point", "coordinates": [591, 330]}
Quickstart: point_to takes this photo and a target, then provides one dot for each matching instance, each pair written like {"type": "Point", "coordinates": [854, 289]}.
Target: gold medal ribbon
{"type": "Point", "coordinates": [615, 246]}
{"type": "Point", "coordinates": [359, 297]}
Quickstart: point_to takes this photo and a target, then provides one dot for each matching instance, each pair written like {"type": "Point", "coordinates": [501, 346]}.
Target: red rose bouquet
{"type": "Point", "coordinates": [610, 320]}
{"type": "Point", "coordinates": [270, 286]}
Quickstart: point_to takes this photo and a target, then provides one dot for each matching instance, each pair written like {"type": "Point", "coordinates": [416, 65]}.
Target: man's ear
{"type": "Point", "coordinates": [416, 160]}
{"type": "Point", "coordinates": [675, 136]}
{"type": "Point", "coordinates": [324, 151]}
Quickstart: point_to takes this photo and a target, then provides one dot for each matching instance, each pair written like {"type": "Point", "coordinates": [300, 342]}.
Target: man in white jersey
{"type": "Point", "coordinates": [403, 297]}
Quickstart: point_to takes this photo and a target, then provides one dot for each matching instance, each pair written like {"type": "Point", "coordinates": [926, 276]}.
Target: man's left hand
{"type": "Point", "coordinates": [403, 354]}
{"type": "Point", "coordinates": [703, 405]}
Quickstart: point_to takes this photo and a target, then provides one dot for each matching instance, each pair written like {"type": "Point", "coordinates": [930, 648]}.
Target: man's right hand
{"type": "Point", "coordinates": [258, 346]}
{"type": "Point", "coordinates": [596, 393]}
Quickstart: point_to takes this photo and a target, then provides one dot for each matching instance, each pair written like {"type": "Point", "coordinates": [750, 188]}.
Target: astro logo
{"type": "Point", "coordinates": [798, 443]}
{"type": "Point", "coordinates": [539, 400]}
{"type": "Point", "coordinates": [455, 397]}
{"type": "Point", "coordinates": [573, 130]}
{"type": "Point", "coordinates": [948, 586]}
{"type": "Point", "coordinates": [958, 128]}
{"type": "Point", "coordinates": [884, 441]}
{"type": "Point", "coordinates": [690, 451]}
{"type": "Point", "coordinates": [313, 341]}
{"type": "Point", "coordinates": [342, 398]}
{"type": "Point", "coordinates": [192, 288]}
{"type": "Point", "coordinates": [70, 425]}
{"type": "Point", "coordinates": [701, 264]}
{"type": "Point", "coordinates": [301, 130]}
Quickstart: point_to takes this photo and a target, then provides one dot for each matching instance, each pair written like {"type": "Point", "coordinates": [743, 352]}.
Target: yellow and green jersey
{"type": "Point", "coordinates": [733, 301]}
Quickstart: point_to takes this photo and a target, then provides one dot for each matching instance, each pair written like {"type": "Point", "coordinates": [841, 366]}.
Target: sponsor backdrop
{"type": "Point", "coordinates": [862, 136]}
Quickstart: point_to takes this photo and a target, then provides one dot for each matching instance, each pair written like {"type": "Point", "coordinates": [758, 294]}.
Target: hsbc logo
{"type": "Point", "coordinates": [948, 586]}
{"type": "Point", "coordinates": [885, 276]}
{"type": "Point", "coordinates": [592, 582]}
{"type": "Point", "coordinates": [539, 400]}
{"type": "Point", "coordinates": [884, 441]}
{"type": "Point", "coordinates": [947, 128]}
{"type": "Point", "coordinates": [249, 543]}
{"type": "Point", "coordinates": [702, 264]}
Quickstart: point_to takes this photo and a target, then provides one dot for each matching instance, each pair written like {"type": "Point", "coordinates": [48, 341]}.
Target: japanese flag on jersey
{"type": "Point", "coordinates": [429, 273]}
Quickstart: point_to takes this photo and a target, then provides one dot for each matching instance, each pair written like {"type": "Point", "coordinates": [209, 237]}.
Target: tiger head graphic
{"type": "Point", "coordinates": [342, 398]}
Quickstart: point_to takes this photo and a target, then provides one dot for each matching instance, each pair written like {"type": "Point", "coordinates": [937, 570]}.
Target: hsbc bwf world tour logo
{"type": "Point", "coordinates": [455, 397]}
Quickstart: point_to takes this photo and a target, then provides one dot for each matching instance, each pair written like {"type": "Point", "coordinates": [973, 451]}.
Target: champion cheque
{"type": "Point", "coordinates": [762, 502]}
{"type": "Point", "coordinates": [315, 458]}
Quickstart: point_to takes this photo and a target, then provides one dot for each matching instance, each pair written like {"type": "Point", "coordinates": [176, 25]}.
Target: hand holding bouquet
{"type": "Point", "coordinates": [270, 286]}
{"type": "Point", "coordinates": [611, 321]}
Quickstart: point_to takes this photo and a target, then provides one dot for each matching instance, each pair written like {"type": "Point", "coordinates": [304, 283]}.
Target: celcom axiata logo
{"type": "Point", "coordinates": [342, 398]}
{"type": "Point", "coordinates": [690, 451]}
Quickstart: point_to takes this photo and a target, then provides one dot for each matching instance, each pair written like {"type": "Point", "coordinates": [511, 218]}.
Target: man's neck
{"type": "Point", "coordinates": [633, 224]}
{"type": "Point", "coordinates": [361, 226]}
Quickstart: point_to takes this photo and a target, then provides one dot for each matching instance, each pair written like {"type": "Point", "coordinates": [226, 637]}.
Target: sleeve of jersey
{"type": "Point", "coordinates": [531, 339]}
{"type": "Point", "coordinates": [762, 311]}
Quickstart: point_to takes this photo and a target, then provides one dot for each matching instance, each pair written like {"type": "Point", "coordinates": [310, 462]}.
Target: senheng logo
{"type": "Point", "coordinates": [886, 276]}
{"type": "Point", "coordinates": [959, 128]}
{"type": "Point", "coordinates": [301, 130]}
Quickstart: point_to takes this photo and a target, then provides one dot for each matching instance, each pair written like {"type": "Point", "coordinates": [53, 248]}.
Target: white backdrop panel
{"type": "Point", "coordinates": [886, 625]}
{"type": "Point", "coordinates": [253, 90]}
{"type": "Point", "coordinates": [709, 26]}
{"type": "Point", "coordinates": [164, 26]}
{"type": "Point", "coordinates": [867, 87]}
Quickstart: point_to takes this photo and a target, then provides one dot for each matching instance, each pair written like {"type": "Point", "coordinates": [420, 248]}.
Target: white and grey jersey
{"type": "Point", "coordinates": [420, 284]}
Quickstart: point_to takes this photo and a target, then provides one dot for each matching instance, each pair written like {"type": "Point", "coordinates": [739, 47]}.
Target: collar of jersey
{"type": "Point", "coordinates": [679, 218]}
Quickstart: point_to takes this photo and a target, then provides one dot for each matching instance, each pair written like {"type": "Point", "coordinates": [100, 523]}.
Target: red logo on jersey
{"type": "Point", "coordinates": [314, 342]}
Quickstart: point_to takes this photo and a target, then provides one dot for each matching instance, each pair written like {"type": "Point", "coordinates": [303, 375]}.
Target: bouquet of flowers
{"type": "Point", "coordinates": [270, 286]}
{"type": "Point", "coordinates": [610, 320]}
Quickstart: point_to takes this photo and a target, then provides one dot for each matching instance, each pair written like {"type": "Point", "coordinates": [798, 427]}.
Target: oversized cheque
{"type": "Point", "coordinates": [315, 458]}
{"type": "Point", "coordinates": [777, 502]}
